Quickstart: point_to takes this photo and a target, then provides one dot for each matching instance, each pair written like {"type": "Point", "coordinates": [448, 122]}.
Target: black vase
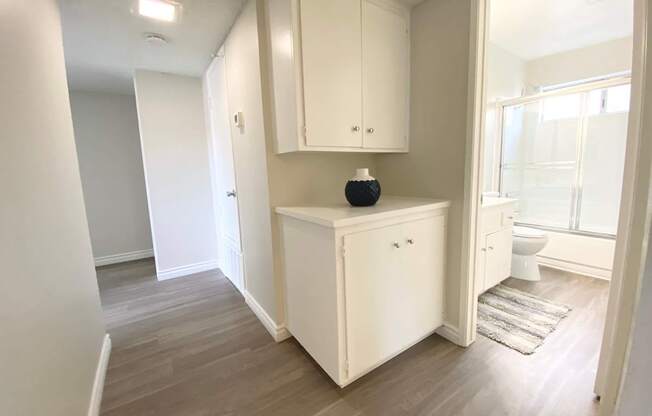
{"type": "Point", "coordinates": [362, 190]}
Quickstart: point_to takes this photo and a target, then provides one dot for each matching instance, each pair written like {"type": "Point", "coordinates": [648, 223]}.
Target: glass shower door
{"type": "Point", "coordinates": [539, 159]}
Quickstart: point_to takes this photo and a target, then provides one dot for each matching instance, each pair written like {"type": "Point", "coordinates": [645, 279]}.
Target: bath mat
{"type": "Point", "coordinates": [517, 319]}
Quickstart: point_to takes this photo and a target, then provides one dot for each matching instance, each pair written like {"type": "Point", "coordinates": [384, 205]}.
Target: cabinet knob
{"type": "Point", "coordinates": [410, 241]}
{"type": "Point", "coordinates": [230, 193]}
{"type": "Point", "coordinates": [491, 248]}
{"type": "Point", "coordinates": [355, 128]}
{"type": "Point", "coordinates": [396, 244]}
{"type": "Point", "coordinates": [483, 249]}
{"type": "Point", "coordinates": [371, 130]}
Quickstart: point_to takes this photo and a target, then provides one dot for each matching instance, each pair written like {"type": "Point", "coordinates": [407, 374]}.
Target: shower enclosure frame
{"type": "Point", "coordinates": [577, 187]}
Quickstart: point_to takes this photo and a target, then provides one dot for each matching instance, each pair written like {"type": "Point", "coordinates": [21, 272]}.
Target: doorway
{"type": "Point", "coordinates": [498, 137]}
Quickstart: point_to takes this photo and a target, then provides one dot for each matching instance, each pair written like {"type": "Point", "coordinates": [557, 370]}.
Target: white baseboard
{"type": "Point", "coordinates": [100, 374]}
{"type": "Point", "coordinates": [122, 257]}
{"type": "Point", "coordinates": [572, 267]}
{"type": "Point", "coordinates": [278, 332]}
{"type": "Point", "coordinates": [186, 270]}
{"type": "Point", "coordinates": [449, 332]}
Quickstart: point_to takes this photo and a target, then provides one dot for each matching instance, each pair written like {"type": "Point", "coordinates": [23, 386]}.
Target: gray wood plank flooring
{"type": "Point", "coordinates": [191, 347]}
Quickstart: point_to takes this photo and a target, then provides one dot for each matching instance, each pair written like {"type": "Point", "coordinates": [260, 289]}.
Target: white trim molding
{"type": "Point", "coordinates": [278, 332]}
{"type": "Point", "coordinates": [181, 271]}
{"type": "Point", "coordinates": [100, 375]}
{"type": "Point", "coordinates": [123, 257]}
{"type": "Point", "coordinates": [573, 267]}
{"type": "Point", "coordinates": [449, 332]}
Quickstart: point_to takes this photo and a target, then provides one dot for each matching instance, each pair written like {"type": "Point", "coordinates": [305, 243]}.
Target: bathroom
{"type": "Point", "coordinates": [554, 136]}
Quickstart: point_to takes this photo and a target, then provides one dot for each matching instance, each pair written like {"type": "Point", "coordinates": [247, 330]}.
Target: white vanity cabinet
{"type": "Point", "coordinates": [494, 259]}
{"type": "Point", "coordinates": [363, 284]}
{"type": "Point", "coordinates": [340, 75]}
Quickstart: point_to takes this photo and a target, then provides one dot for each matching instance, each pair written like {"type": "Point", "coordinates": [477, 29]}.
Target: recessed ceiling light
{"type": "Point", "coordinates": [158, 9]}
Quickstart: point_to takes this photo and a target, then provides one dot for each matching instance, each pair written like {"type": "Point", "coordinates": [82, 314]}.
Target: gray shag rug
{"type": "Point", "coordinates": [517, 319]}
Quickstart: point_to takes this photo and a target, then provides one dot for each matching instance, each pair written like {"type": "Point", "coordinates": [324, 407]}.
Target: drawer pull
{"type": "Point", "coordinates": [396, 244]}
{"type": "Point", "coordinates": [410, 241]}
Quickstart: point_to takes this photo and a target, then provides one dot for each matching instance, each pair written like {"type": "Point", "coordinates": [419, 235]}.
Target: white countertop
{"type": "Point", "coordinates": [340, 215]}
{"type": "Point", "coordinates": [488, 202]}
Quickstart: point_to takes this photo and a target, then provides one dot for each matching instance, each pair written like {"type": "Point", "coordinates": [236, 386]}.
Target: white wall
{"type": "Point", "coordinates": [50, 317]}
{"type": "Point", "coordinates": [505, 79]}
{"type": "Point", "coordinates": [111, 165]}
{"type": "Point", "coordinates": [579, 254]}
{"type": "Point", "coordinates": [593, 61]}
{"type": "Point", "coordinates": [176, 162]}
{"type": "Point", "coordinates": [435, 166]}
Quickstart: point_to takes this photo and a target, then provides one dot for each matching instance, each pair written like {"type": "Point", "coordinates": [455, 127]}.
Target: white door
{"type": "Point", "coordinates": [332, 72]}
{"type": "Point", "coordinates": [422, 269]}
{"type": "Point", "coordinates": [245, 99]}
{"type": "Point", "coordinates": [498, 257]}
{"type": "Point", "coordinates": [224, 175]}
{"type": "Point", "coordinates": [377, 293]}
{"type": "Point", "coordinates": [386, 45]}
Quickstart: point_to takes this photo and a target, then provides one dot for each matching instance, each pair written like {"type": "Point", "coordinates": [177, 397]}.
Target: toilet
{"type": "Point", "coordinates": [527, 242]}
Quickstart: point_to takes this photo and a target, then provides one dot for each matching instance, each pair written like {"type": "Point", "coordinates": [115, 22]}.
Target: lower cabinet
{"type": "Point", "coordinates": [494, 260]}
{"type": "Point", "coordinates": [393, 285]}
{"type": "Point", "coordinates": [357, 295]}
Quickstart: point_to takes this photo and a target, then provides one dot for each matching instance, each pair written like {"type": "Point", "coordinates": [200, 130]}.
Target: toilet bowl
{"type": "Point", "coordinates": [527, 242]}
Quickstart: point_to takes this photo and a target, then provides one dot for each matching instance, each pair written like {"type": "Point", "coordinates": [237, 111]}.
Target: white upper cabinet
{"type": "Point", "coordinates": [332, 72]}
{"type": "Point", "coordinates": [385, 46]}
{"type": "Point", "coordinates": [340, 75]}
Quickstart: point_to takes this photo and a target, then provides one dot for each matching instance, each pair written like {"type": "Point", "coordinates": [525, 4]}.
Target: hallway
{"type": "Point", "coordinates": [191, 346]}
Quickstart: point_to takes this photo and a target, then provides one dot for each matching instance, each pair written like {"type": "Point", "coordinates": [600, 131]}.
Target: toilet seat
{"type": "Point", "coordinates": [527, 232]}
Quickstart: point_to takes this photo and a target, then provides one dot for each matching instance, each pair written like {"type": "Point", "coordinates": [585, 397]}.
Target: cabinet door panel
{"type": "Point", "coordinates": [377, 299]}
{"type": "Point", "coordinates": [422, 271]}
{"type": "Point", "coordinates": [498, 257]}
{"type": "Point", "coordinates": [331, 38]}
{"type": "Point", "coordinates": [385, 77]}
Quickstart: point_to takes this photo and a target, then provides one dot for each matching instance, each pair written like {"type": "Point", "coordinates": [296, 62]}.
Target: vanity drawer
{"type": "Point", "coordinates": [497, 219]}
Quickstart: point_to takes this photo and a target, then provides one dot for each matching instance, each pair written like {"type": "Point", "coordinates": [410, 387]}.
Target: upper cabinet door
{"type": "Point", "coordinates": [331, 38]}
{"type": "Point", "coordinates": [386, 64]}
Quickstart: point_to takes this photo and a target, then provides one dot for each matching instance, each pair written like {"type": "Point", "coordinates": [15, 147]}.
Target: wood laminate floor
{"type": "Point", "coordinates": [191, 346]}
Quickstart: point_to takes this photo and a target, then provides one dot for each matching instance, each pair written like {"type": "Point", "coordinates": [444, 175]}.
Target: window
{"type": "Point", "coordinates": [563, 157]}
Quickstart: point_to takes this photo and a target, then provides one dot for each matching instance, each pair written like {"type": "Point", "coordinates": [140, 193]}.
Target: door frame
{"type": "Point", "coordinates": [632, 227]}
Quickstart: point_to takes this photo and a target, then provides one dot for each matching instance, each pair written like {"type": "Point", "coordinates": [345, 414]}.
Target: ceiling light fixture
{"type": "Point", "coordinates": [155, 39]}
{"type": "Point", "coordinates": [165, 11]}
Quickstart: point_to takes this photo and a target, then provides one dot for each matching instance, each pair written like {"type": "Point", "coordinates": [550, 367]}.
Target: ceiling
{"type": "Point", "coordinates": [531, 29]}
{"type": "Point", "coordinates": [104, 42]}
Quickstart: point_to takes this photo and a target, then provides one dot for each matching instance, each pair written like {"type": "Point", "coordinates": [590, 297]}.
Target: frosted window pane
{"type": "Point", "coordinates": [565, 106]}
{"type": "Point", "coordinates": [602, 172]}
{"type": "Point", "coordinates": [618, 99]}
{"type": "Point", "coordinates": [545, 197]}
{"type": "Point", "coordinates": [595, 102]}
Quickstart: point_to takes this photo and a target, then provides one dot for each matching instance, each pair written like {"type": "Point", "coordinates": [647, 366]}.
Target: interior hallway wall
{"type": "Point", "coordinates": [435, 166]}
{"type": "Point", "coordinates": [177, 173]}
{"type": "Point", "coordinates": [292, 179]}
{"type": "Point", "coordinates": [51, 323]}
{"type": "Point", "coordinates": [111, 165]}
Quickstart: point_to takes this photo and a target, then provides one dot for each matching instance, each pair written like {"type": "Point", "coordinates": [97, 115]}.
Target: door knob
{"type": "Point", "coordinates": [371, 130]}
{"type": "Point", "coordinates": [355, 128]}
{"type": "Point", "coordinates": [396, 244]}
{"type": "Point", "coordinates": [230, 193]}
